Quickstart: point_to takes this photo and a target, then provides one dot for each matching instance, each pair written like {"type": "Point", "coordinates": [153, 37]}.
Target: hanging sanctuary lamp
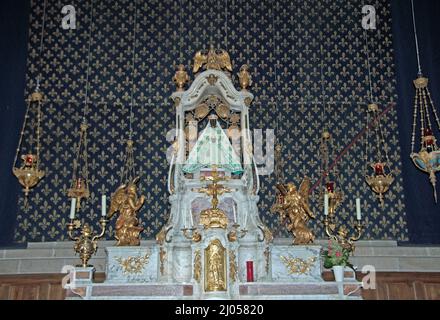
{"type": "Point", "coordinates": [330, 193]}
{"type": "Point", "coordinates": [125, 198]}
{"type": "Point", "coordinates": [128, 174]}
{"type": "Point", "coordinates": [427, 158]}
{"type": "Point", "coordinates": [79, 188]}
{"type": "Point", "coordinates": [29, 172]}
{"type": "Point", "coordinates": [376, 154]}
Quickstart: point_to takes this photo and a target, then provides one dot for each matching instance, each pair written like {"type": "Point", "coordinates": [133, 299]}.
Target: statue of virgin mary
{"type": "Point", "coordinates": [213, 149]}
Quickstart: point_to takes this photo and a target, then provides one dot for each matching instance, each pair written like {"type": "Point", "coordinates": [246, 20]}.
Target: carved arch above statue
{"type": "Point", "coordinates": [212, 82]}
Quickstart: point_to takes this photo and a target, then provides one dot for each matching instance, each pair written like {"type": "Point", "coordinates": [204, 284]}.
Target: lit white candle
{"type": "Point", "coordinates": [104, 205]}
{"type": "Point", "coordinates": [326, 204]}
{"type": "Point", "coordinates": [72, 208]}
{"type": "Point", "coordinates": [358, 208]}
{"type": "Point", "coordinates": [235, 213]}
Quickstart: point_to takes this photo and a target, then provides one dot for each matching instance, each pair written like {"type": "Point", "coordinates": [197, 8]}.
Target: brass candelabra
{"type": "Point", "coordinates": [341, 234]}
{"type": "Point", "coordinates": [86, 243]}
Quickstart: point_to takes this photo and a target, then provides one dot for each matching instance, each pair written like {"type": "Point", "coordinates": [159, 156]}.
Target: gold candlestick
{"type": "Point", "coordinates": [85, 243]}
{"type": "Point", "coordinates": [192, 234]}
{"type": "Point", "coordinates": [236, 234]}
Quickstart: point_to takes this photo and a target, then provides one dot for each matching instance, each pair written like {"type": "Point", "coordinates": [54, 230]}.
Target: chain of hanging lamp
{"type": "Point", "coordinates": [330, 181]}
{"type": "Point", "coordinates": [278, 155]}
{"type": "Point", "coordinates": [128, 170]}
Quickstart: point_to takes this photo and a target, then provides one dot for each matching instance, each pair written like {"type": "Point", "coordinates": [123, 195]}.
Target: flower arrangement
{"type": "Point", "coordinates": [336, 255]}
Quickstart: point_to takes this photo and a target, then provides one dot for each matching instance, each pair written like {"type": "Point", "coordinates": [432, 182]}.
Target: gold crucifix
{"type": "Point", "coordinates": [214, 189]}
{"type": "Point", "coordinates": [214, 217]}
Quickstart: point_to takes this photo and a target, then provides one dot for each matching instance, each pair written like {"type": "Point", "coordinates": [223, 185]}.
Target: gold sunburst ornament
{"type": "Point", "coordinates": [427, 158]}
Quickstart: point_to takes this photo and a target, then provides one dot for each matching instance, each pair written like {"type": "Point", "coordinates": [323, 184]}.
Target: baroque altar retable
{"type": "Point", "coordinates": [214, 245]}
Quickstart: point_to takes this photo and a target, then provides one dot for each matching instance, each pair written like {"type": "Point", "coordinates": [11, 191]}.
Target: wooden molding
{"type": "Point", "coordinates": [389, 286]}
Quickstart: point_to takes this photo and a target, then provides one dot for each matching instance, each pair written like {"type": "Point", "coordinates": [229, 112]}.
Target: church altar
{"type": "Point", "coordinates": [214, 245]}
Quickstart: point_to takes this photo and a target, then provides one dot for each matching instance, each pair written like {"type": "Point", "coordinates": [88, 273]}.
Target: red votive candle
{"type": "Point", "coordinates": [330, 187]}
{"type": "Point", "coordinates": [29, 159]}
{"type": "Point", "coordinates": [378, 169]}
{"type": "Point", "coordinates": [428, 132]}
{"type": "Point", "coordinates": [250, 271]}
{"type": "Point", "coordinates": [79, 183]}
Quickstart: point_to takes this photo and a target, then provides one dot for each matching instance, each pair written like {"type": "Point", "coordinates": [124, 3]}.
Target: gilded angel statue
{"type": "Point", "coordinates": [294, 206]}
{"type": "Point", "coordinates": [126, 202]}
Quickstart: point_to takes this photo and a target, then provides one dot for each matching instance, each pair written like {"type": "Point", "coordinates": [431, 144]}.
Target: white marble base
{"type": "Point", "coordinates": [141, 280]}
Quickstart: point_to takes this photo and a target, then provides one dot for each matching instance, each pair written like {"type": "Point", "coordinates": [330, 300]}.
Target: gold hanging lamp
{"type": "Point", "coordinates": [79, 188]}
{"type": "Point", "coordinates": [80, 176]}
{"type": "Point", "coordinates": [427, 158]}
{"type": "Point", "coordinates": [331, 175]}
{"type": "Point", "coordinates": [29, 172]}
{"type": "Point", "coordinates": [330, 182]}
{"type": "Point", "coordinates": [125, 199]}
{"type": "Point", "coordinates": [381, 178]}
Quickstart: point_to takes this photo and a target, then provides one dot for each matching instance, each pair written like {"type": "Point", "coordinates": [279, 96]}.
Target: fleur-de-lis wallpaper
{"type": "Point", "coordinates": [280, 40]}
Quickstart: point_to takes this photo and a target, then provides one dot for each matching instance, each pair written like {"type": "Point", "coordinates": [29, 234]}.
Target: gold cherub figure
{"type": "Point", "coordinates": [294, 205]}
{"type": "Point", "coordinates": [126, 202]}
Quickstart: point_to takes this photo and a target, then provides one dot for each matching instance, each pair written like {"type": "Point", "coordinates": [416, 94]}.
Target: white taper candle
{"type": "Point", "coordinates": [326, 204]}
{"type": "Point", "coordinates": [72, 208]}
{"type": "Point", "coordinates": [104, 205]}
{"type": "Point", "coordinates": [191, 218]}
{"type": "Point", "coordinates": [235, 213]}
{"type": "Point", "coordinates": [358, 208]}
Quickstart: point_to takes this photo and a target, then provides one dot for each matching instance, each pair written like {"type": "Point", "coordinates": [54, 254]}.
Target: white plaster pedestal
{"type": "Point", "coordinates": [130, 275]}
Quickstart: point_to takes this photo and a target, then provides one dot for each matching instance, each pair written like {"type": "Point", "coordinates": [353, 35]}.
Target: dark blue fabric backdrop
{"type": "Point", "coordinates": [423, 216]}
{"type": "Point", "coordinates": [14, 16]}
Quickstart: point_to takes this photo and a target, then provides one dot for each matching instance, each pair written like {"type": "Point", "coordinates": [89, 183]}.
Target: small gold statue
{"type": "Point", "coordinates": [294, 205]}
{"type": "Point", "coordinates": [215, 267]}
{"type": "Point", "coordinates": [181, 77]}
{"type": "Point", "coordinates": [244, 77]}
{"type": "Point", "coordinates": [126, 202]}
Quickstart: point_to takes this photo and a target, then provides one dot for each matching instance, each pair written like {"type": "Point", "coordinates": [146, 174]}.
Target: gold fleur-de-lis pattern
{"type": "Point", "coordinates": [280, 40]}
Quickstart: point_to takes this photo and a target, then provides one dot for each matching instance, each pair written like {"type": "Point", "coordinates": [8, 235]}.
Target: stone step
{"type": "Point", "coordinates": [137, 291]}
{"type": "Point", "coordinates": [293, 289]}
